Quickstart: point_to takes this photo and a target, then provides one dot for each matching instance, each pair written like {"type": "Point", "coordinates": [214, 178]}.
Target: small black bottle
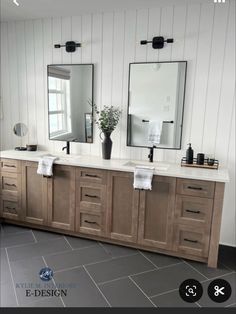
{"type": "Point", "coordinates": [189, 155]}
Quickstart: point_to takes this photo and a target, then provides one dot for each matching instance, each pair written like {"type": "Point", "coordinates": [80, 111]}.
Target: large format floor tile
{"type": "Point", "coordinates": [119, 267]}
{"type": "Point", "coordinates": [77, 257]}
{"type": "Point", "coordinates": [161, 260]}
{"type": "Point", "coordinates": [38, 249]}
{"type": "Point", "coordinates": [8, 229]}
{"type": "Point", "coordinates": [15, 239]}
{"type": "Point", "coordinates": [5, 275]}
{"type": "Point", "coordinates": [171, 299]}
{"type": "Point", "coordinates": [7, 295]}
{"type": "Point", "coordinates": [205, 301]}
{"type": "Point", "coordinates": [46, 236]}
{"type": "Point", "coordinates": [78, 243]}
{"type": "Point", "coordinates": [81, 290]}
{"type": "Point", "coordinates": [124, 293]}
{"type": "Point", "coordinates": [166, 279]}
{"type": "Point", "coordinates": [117, 250]}
{"type": "Point", "coordinates": [26, 276]}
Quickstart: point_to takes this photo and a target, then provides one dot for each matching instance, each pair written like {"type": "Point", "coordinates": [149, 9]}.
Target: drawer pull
{"type": "Point", "coordinates": [10, 166]}
{"type": "Point", "coordinates": [91, 222]}
{"type": "Point", "coordinates": [10, 208]}
{"type": "Point", "coordinates": [93, 196]}
{"type": "Point", "coordinates": [192, 241]}
{"type": "Point", "coordinates": [192, 211]}
{"type": "Point", "coordinates": [8, 184]}
{"type": "Point", "coordinates": [91, 175]}
{"type": "Point", "coordinates": [195, 188]}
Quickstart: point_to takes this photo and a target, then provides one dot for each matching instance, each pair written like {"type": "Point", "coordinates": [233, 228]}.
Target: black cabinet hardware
{"type": "Point", "coordinates": [91, 222]}
{"type": "Point", "coordinates": [10, 166]}
{"type": "Point", "coordinates": [192, 241]}
{"type": "Point", "coordinates": [192, 211]}
{"type": "Point", "coordinates": [93, 196]}
{"type": "Point", "coordinates": [91, 175]}
{"type": "Point", "coordinates": [195, 188]}
{"type": "Point", "coordinates": [8, 184]}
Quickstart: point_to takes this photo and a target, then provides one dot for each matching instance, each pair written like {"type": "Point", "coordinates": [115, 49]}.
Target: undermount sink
{"type": "Point", "coordinates": [157, 166]}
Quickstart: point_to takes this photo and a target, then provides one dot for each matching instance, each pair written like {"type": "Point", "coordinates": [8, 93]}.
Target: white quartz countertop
{"type": "Point", "coordinates": [161, 168]}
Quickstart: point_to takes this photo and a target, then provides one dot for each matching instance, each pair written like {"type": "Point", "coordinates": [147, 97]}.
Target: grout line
{"type": "Point", "coordinates": [17, 301]}
{"type": "Point", "coordinates": [104, 248]}
{"type": "Point", "coordinates": [233, 272]}
{"type": "Point", "coordinates": [142, 291]}
{"type": "Point", "coordinates": [36, 241]}
{"type": "Point", "coordinates": [171, 265]}
{"type": "Point", "coordinates": [195, 269]}
{"type": "Point", "coordinates": [96, 286]}
{"type": "Point", "coordinates": [230, 304]}
{"type": "Point", "coordinates": [148, 259]}
{"type": "Point", "coordinates": [197, 304]}
{"type": "Point", "coordinates": [68, 243]}
{"type": "Point", "coordinates": [54, 282]}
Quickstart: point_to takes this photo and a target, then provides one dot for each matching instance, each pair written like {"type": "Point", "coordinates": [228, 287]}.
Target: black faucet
{"type": "Point", "coordinates": [151, 153]}
{"type": "Point", "coordinates": [67, 147]}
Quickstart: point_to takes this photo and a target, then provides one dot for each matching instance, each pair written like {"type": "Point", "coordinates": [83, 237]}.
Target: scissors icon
{"type": "Point", "coordinates": [218, 291]}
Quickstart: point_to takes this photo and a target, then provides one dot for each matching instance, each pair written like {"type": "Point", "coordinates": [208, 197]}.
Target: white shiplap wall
{"type": "Point", "coordinates": [204, 35]}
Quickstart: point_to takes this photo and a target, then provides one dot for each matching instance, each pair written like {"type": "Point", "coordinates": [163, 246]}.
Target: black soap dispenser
{"type": "Point", "coordinates": [189, 155]}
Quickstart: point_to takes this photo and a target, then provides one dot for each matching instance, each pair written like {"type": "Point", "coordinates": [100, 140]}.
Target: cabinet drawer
{"type": "Point", "coordinates": [193, 210]}
{"type": "Point", "coordinates": [91, 224]}
{"type": "Point", "coordinates": [9, 181]}
{"type": "Point", "coordinates": [10, 207]}
{"type": "Point", "coordinates": [10, 195]}
{"type": "Point", "coordinates": [195, 188]}
{"type": "Point", "coordinates": [10, 165]}
{"type": "Point", "coordinates": [91, 195]}
{"type": "Point", "coordinates": [92, 175]}
{"type": "Point", "coordinates": [191, 241]}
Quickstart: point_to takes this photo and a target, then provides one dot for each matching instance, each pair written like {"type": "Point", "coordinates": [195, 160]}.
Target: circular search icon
{"type": "Point", "coordinates": [190, 290]}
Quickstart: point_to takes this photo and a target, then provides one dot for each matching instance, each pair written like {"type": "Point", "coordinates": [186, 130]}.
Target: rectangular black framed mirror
{"type": "Point", "coordinates": [70, 99]}
{"type": "Point", "coordinates": [156, 104]}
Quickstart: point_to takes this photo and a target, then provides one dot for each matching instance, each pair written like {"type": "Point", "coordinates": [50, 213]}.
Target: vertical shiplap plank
{"type": "Point", "coordinates": [6, 130]}
{"type": "Point", "coordinates": [76, 35]}
{"type": "Point", "coordinates": [215, 77]}
{"type": "Point", "coordinates": [141, 56]}
{"type": "Point", "coordinates": [96, 46]}
{"type": "Point", "coordinates": [154, 28]}
{"type": "Point", "coordinates": [57, 57]}
{"type": "Point", "coordinates": [203, 59]}
{"type": "Point", "coordinates": [190, 52]}
{"type": "Point", "coordinates": [129, 52]}
{"type": "Point", "coordinates": [22, 79]}
{"type": "Point", "coordinates": [39, 82]}
{"type": "Point", "coordinates": [66, 34]}
{"type": "Point", "coordinates": [30, 70]}
{"type": "Point", "coordinates": [166, 30]}
{"type": "Point", "coordinates": [14, 88]}
{"type": "Point", "coordinates": [86, 53]}
{"type": "Point", "coordinates": [47, 59]}
{"type": "Point", "coordinates": [227, 91]}
{"type": "Point", "coordinates": [117, 80]}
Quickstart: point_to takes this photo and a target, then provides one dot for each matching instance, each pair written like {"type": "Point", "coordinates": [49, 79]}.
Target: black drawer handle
{"type": "Point", "coordinates": [91, 222]}
{"type": "Point", "coordinates": [8, 184]}
{"type": "Point", "coordinates": [91, 175]}
{"type": "Point", "coordinates": [192, 211]}
{"type": "Point", "coordinates": [10, 166]}
{"type": "Point", "coordinates": [192, 241]}
{"type": "Point", "coordinates": [93, 196]}
{"type": "Point", "coordinates": [195, 188]}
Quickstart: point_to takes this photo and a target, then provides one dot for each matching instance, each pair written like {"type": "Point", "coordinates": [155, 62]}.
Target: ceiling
{"type": "Point", "coordinates": [33, 9]}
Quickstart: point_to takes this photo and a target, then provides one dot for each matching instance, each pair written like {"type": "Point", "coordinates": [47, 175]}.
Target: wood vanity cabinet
{"type": "Point", "coordinates": [156, 213]}
{"type": "Point", "coordinates": [34, 194]}
{"type": "Point", "coordinates": [61, 198]}
{"type": "Point", "coordinates": [122, 207]}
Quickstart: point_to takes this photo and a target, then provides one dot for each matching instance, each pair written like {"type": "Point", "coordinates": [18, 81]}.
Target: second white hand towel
{"type": "Point", "coordinates": [143, 177]}
{"type": "Point", "coordinates": [45, 165]}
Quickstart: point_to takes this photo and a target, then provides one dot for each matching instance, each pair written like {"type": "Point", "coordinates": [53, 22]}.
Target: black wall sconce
{"type": "Point", "coordinates": [70, 46]}
{"type": "Point", "coordinates": [157, 42]}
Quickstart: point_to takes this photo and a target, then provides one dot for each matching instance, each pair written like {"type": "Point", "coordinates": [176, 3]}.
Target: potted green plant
{"type": "Point", "coordinates": [107, 120]}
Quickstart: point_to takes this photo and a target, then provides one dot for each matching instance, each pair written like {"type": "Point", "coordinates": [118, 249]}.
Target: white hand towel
{"type": "Point", "coordinates": [154, 132]}
{"type": "Point", "coordinates": [143, 177]}
{"type": "Point", "coordinates": [45, 165]}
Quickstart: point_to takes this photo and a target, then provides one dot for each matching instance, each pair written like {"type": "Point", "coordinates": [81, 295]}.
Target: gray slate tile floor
{"type": "Point", "coordinates": [99, 274]}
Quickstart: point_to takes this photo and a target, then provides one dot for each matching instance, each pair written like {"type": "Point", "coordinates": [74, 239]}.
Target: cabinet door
{"type": "Point", "coordinates": [122, 211]}
{"type": "Point", "coordinates": [61, 198]}
{"type": "Point", "coordinates": [34, 194]}
{"type": "Point", "coordinates": [157, 213]}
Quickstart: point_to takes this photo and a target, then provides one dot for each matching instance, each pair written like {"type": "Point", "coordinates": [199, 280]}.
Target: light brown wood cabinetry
{"type": "Point", "coordinates": [179, 217]}
{"type": "Point", "coordinates": [122, 207]}
{"type": "Point", "coordinates": [10, 189]}
{"type": "Point", "coordinates": [61, 198]}
{"type": "Point", "coordinates": [156, 213]}
{"type": "Point", "coordinates": [91, 200]}
{"type": "Point", "coordinates": [34, 194]}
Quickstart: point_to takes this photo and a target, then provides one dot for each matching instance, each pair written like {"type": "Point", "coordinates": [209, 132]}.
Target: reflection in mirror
{"type": "Point", "coordinates": [20, 129]}
{"type": "Point", "coordinates": [156, 99]}
{"type": "Point", "coordinates": [70, 97]}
